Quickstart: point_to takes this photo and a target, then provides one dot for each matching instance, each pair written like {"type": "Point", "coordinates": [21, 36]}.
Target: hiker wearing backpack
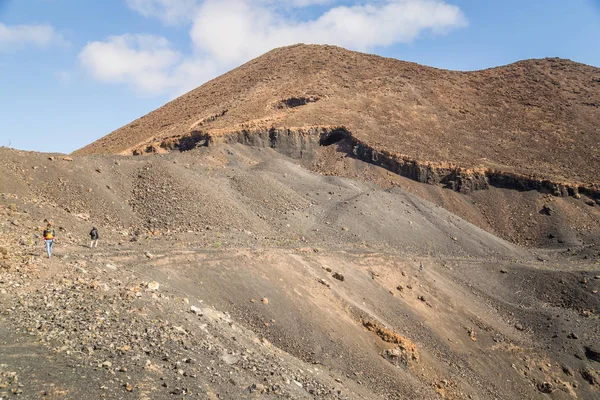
{"type": "Point", "coordinates": [49, 236]}
{"type": "Point", "coordinates": [94, 236]}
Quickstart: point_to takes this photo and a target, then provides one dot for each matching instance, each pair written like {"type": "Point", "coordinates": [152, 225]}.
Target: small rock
{"type": "Point", "coordinates": [422, 298]}
{"type": "Point", "coordinates": [503, 271]}
{"type": "Point", "coordinates": [590, 376]}
{"type": "Point", "coordinates": [519, 327]}
{"type": "Point", "coordinates": [265, 300]}
{"type": "Point", "coordinates": [545, 387]}
{"type": "Point", "coordinates": [324, 282]}
{"type": "Point", "coordinates": [593, 353]}
{"type": "Point", "coordinates": [568, 371]}
{"type": "Point", "coordinates": [195, 310]}
{"type": "Point", "coordinates": [106, 364]}
{"type": "Point", "coordinates": [338, 276]}
{"type": "Point", "coordinates": [149, 255]}
{"type": "Point", "coordinates": [400, 288]}
{"type": "Point", "coordinates": [128, 387]}
{"type": "Point", "coordinates": [67, 159]}
{"type": "Point", "coordinates": [153, 286]}
{"type": "Point", "coordinates": [472, 334]}
{"type": "Point", "coordinates": [257, 387]}
{"type": "Point", "coordinates": [573, 335]}
{"type": "Point", "coordinates": [547, 210]}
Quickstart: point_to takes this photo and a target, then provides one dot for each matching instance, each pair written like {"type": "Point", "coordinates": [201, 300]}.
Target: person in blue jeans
{"type": "Point", "coordinates": [49, 236]}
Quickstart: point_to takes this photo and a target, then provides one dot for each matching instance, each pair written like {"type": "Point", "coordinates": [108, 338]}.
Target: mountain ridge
{"type": "Point", "coordinates": [533, 118]}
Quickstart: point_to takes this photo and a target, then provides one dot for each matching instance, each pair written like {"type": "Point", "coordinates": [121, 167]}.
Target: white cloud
{"type": "Point", "coordinates": [142, 60]}
{"type": "Point", "coordinates": [233, 31]}
{"type": "Point", "coordinates": [23, 35]}
{"type": "Point", "coordinates": [226, 33]}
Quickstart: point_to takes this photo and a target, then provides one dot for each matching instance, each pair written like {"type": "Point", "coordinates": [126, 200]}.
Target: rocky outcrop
{"type": "Point", "coordinates": [302, 143]}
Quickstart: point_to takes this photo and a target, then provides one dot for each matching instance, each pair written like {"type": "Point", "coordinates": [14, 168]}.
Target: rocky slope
{"type": "Point", "coordinates": [529, 125]}
{"type": "Point", "coordinates": [232, 272]}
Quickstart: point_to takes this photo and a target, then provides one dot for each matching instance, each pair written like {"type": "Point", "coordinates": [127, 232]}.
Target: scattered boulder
{"type": "Point", "coordinates": [590, 376]}
{"type": "Point", "coordinates": [472, 334]}
{"type": "Point", "coordinates": [229, 359]}
{"type": "Point", "coordinates": [545, 387]}
{"type": "Point", "coordinates": [519, 327]}
{"type": "Point", "coordinates": [404, 354]}
{"type": "Point", "coordinates": [568, 371]}
{"type": "Point", "coordinates": [547, 209]}
{"type": "Point", "coordinates": [593, 353]}
{"type": "Point", "coordinates": [257, 387]}
{"type": "Point", "coordinates": [324, 282]}
{"type": "Point", "coordinates": [338, 276]}
{"type": "Point", "coordinates": [195, 310]}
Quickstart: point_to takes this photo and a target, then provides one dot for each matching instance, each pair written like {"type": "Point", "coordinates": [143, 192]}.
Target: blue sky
{"type": "Point", "coordinates": [72, 71]}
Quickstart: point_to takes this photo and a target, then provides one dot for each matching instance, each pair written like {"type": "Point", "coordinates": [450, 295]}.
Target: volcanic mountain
{"type": "Point", "coordinates": [290, 238]}
{"type": "Point", "coordinates": [537, 120]}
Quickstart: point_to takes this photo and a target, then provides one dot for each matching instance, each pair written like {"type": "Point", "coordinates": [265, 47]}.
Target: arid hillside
{"type": "Point", "coordinates": [537, 120]}
{"type": "Point", "coordinates": [232, 272]}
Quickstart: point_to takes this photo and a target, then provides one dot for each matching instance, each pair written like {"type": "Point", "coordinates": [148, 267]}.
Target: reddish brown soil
{"type": "Point", "coordinates": [535, 118]}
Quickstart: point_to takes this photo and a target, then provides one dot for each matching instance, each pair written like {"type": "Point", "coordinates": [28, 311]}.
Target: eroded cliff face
{"type": "Point", "coordinates": [302, 143]}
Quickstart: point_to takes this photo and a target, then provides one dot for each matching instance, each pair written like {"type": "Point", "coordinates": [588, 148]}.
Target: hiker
{"type": "Point", "coordinates": [49, 236]}
{"type": "Point", "coordinates": [94, 236]}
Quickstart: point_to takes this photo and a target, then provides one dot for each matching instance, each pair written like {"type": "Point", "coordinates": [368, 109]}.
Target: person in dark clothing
{"type": "Point", "coordinates": [49, 237]}
{"type": "Point", "coordinates": [94, 236]}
